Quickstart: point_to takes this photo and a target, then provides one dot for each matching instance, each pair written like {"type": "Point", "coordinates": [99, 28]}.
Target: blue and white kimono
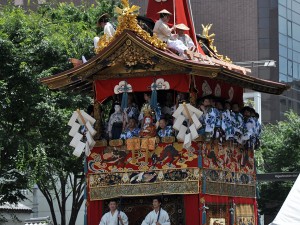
{"type": "Point", "coordinates": [132, 111]}
{"type": "Point", "coordinates": [211, 121]}
{"type": "Point", "coordinates": [248, 136]}
{"type": "Point", "coordinates": [227, 125]}
{"type": "Point", "coordinates": [237, 121]}
{"type": "Point", "coordinates": [127, 134]}
{"type": "Point", "coordinates": [257, 132]}
{"type": "Point", "coordinates": [167, 132]}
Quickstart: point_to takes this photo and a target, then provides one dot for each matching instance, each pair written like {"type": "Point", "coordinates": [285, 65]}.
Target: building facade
{"type": "Point", "coordinates": [256, 30]}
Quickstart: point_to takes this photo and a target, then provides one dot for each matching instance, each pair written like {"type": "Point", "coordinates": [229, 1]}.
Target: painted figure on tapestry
{"type": "Point", "coordinates": [158, 216]}
{"type": "Point", "coordinates": [114, 216]}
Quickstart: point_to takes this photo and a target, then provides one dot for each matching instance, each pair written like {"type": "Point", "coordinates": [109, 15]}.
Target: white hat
{"type": "Point", "coordinates": [164, 11]}
{"type": "Point", "coordinates": [182, 26]}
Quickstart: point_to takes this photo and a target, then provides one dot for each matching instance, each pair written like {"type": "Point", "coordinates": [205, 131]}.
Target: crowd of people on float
{"type": "Point", "coordinates": [221, 120]}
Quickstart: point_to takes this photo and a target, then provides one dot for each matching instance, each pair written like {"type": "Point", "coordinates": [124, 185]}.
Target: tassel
{"type": "Point", "coordinates": [153, 101]}
{"type": "Point", "coordinates": [203, 217]}
{"type": "Point", "coordinates": [124, 102]}
{"type": "Point", "coordinates": [204, 208]}
{"type": "Point", "coordinates": [231, 216]}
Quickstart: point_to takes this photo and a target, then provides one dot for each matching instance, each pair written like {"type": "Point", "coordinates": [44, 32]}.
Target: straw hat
{"type": "Point", "coordinates": [164, 11]}
{"type": "Point", "coordinates": [102, 18]}
{"type": "Point", "coordinates": [182, 26]}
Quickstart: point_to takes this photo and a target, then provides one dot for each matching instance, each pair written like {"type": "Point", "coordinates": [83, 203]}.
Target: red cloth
{"type": "Point", "coordinates": [191, 205]}
{"type": "Point", "coordinates": [94, 212]}
{"type": "Point", "coordinates": [105, 88]}
{"type": "Point", "coordinates": [225, 87]}
{"type": "Point", "coordinates": [181, 12]}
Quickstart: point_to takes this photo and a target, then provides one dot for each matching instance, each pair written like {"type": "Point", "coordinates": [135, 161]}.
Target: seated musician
{"type": "Point", "coordinates": [164, 130]}
{"type": "Point", "coordinates": [131, 131]}
{"type": "Point", "coordinates": [185, 38]}
{"type": "Point", "coordinates": [164, 32]}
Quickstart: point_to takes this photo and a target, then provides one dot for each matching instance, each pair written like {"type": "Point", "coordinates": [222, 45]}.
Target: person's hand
{"type": "Point", "coordinates": [120, 218]}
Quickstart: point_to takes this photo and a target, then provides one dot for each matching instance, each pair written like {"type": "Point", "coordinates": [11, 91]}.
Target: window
{"type": "Point", "coordinates": [289, 28]}
{"type": "Point", "coordinates": [282, 25]}
{"type": "Point", "coordinates": [282, 11]}
{"type": "Point", "coordinates": [282, 51]}
{"type": "Point", "coordinates": [295, 70]}
{"type": "Point", "coordinates": [282, 65]}
{"type": "Point", "coordinates": [290, 68]}
{"type": "Point", "coordinates": [282, 39]}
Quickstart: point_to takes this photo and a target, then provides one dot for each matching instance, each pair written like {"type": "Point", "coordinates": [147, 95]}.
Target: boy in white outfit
{"type": "Point", "coordinates": [158, 216]}
{"type": "Point", "coordinates": [114, 216]}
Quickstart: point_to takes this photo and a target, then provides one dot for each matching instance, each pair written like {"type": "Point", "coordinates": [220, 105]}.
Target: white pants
{"type": "Point", "coordinates": [96, 39]}
{"type": "Point", "coordinates": [177, 45]}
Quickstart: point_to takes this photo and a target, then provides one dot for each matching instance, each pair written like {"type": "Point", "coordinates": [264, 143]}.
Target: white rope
{"type": "Point", "coordinates": [195, 37]}
{"type": "Point", "coordinates": [174, 12]}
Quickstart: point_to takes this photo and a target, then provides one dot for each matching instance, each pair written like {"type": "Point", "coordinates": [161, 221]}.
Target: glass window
{"type": "Point", "coordinates": [295, 6]}
{"type": "Point", "coordinates": [296, 57]}
{"type": "Point", "coordinates": [282, 2]}
{"type": "Point", "coordinates": [282, 51]}
{"type": "Point", "coordinates": [282, 78]}
{"type": "Point", "coordinates": [296, 17]}
{"type": "Point", "coordinates": [282, 25]}
{"type": "Point", "coordinates": [299, 71]}
{"type": "Point", "coordinates": [290, 54]}
{"type": "Point", "coordinates": [289, 28]}
{"type": "Point", "coordinates": [295, 70]}
{"type": "Point", "coordinates": [282, 11]}
{"type": "Point", "coordinates": [283, 39]}
{"type": "Point", "coordinates": [289, 4]}
{"type": "Point", "coordinates": [290, 42]}
{"type": "Point", "coordinates": [282, 65]}
{"type": "Point", "coordinates": [296, 45]}
{"type": "Point", "coordinates": [290, 67]}
{"type": "Point", "coordinates": [296, 31]}
{"type": "Point", "coordinates": [289, 14]}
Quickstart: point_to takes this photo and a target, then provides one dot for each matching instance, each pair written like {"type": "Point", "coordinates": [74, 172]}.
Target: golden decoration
{"type": "Point", "coordinates": [128, 21]}
{"type": "Point", "coordinates": [210, 38]}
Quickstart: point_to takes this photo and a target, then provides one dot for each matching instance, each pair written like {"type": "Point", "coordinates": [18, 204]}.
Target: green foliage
{"type": "Point", "coordinates": [33, 127]}
{"type": "Point", "coordinates": [279, 152]}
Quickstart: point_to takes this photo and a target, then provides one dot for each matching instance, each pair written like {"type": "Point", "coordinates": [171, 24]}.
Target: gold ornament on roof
{"type": "Point", "coordinates": [127, 18]}
{"type": "Point", "coordinates": [210, 38]}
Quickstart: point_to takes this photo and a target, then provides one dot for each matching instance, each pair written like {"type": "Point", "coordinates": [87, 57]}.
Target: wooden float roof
{"type": "Point", "coordinates": [128, 55]}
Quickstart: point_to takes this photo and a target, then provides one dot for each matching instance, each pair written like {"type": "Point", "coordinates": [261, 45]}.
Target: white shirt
{"type": "Point", "coordinates": [109, 30]}
{"type": "Point", "coordinates": [151, 218]}
{"type": "Point", "coordinates": [109, 219]}
{"type": "Point", "coordinates": [162, 30]}
{"type": "Point", "coordinates": [186, 40]}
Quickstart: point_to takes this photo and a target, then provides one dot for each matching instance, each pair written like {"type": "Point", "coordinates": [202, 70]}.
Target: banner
{"type": "Point", "coordinates": [106, 88]}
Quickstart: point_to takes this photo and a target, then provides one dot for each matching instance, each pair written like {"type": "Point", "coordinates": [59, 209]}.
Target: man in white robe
{"type": "Point", "coordinates": [158, 216]}
{"type": "Point", "coordinates": [185, 38]}
{"type": "Point", "coordinates": [108, 28]}
{"type": "Point", "coordinates": [112, 217]}
{"type": "Point", "coordinates": [164, 33]}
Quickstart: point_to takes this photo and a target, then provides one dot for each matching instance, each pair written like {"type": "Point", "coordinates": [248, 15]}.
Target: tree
{"type": "Point", "coordinates": [279, 152]}
{"type": "Point", "coordinates": [33, 131]}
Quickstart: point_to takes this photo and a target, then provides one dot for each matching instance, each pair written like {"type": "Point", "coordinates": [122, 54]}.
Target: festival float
{"type": "Point", "coordinates": [201, 177]}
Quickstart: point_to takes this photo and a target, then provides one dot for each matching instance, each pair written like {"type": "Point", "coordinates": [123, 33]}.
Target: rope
{"type": "Point", "coordinates": [195, 38]}
{"type": "Point", "coordinates": [174, 13]}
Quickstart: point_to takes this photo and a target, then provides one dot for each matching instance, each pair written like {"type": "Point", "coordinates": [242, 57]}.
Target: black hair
{"type": "Point", "coordinates": [113, 200]}
{"type": "Point", "coordinates": [158, 199]}
{"type": "Point", "coordinates": [103, 20]}
{"type": "Point", "coordinates": [162, 15]}
{"type": "Point", "coordinates": [257, 115]}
